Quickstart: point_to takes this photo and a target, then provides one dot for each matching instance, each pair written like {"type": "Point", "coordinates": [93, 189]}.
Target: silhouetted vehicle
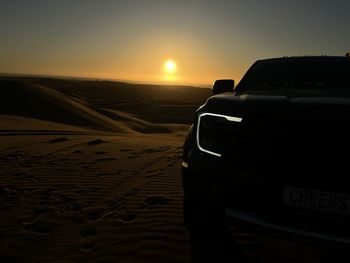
{"type": "Point", "coordinates": [273, 151]}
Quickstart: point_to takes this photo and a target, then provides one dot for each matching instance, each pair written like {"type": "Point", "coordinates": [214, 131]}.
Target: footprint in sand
{"type": "Point", "coordinates": [104, 174]}
{"type": "Point", "coordinates": [76, 206]}
{"type": "Point", "coordinates": [125, 150]}
{"type": "Point", "coordinates": [88, 233]}
{"type": "Point", "coordinates": [106, 159]}
{"type": "Point", "coordinates": [41, 226]}
{"type": "Point", "coordinates": [96, 214]}
{"type": "Point", "coordinates": [27, 164]}
{"type": "Point", "coordinates": [115, 203]}
{"type": "Point", "coordinates": [29, 189]}
{"type": "Point", "coordinates": [93, 189]}
{"type": "Point", "coordinates": [153, 174]}
{"type": "Point", "coordinates": [100, 152]}
{"type": "Point", "coordinates": [14, 156]}
{"type": "Point", "coordinates": [9, 196]}
{"type": "Point", "coordinates": [154, 201]}
{"type": "Point", "coordinates": [19, 174]}
{"type": "Point", "coordinates": [58, 140]}
{"type": "Point", "coordinates": [128, 217]}
{"type": "Point", "coordinates": [87, 240]}
{"type": "Point", "coordinates": [87, 245]}
{"type": "Point", "coordinates": [64, 170]}
{"type": "Point", "coordinates": [95, 142]}
{"type": "Point", "coordinates": [156, 150]}
{"type": "Point", "coordinates": [26, 176]}
{"type": "Point", "coordinates": [42, 210]}
{"type": "Point", "coordinates": [132, 192]}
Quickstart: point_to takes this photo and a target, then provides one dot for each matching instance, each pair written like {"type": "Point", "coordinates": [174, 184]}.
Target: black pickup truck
{"type": "Point", "coordinates": [274, 151]}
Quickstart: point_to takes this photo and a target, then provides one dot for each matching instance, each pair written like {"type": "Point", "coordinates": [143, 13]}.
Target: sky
{"type": "Point", "coordinates": [133, 39]}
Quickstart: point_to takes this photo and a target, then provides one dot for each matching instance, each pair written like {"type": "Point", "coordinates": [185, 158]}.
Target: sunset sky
{"type": "Point", "coordinates": [133, 40]}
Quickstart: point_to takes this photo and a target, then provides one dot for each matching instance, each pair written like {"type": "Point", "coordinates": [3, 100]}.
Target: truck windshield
{"type": "Point", "coordinates": [296, 74]}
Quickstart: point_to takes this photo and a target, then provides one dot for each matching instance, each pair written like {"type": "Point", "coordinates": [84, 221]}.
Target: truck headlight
{"type": "Point", "coordinates": [213, 131]}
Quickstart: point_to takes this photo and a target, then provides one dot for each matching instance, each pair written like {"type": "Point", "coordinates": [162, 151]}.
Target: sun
{"type": "Point", "coordinates": [170, 66]}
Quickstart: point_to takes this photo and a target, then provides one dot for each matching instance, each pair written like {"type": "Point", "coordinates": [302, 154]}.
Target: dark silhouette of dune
{"type": "Point", "coordinates": [38, 102]}
{"type": "Point", "coordinates": [112, 91]}
{"type": "Point", "coordinates": [154, 103]}
{"type": "Point", "coordinates": [97, 105]}
{"type": "Point", "coordinates": [138, 124]}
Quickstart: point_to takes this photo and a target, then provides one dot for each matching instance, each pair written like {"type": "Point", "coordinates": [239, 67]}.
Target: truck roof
{"type": "Point", "coordinates": [307, 58]}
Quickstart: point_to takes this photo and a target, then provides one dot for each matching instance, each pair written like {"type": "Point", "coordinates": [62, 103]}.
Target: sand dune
{"type": "Point", "coordinates": [149, 102]}
{"type": "Point", "coordinates": [12, 123]}
{"type": "Point", "coordinates": [140, 125]}
{"type": "Point", "coordinates": [85, 108]}
{"type": "Point", "coordinates": [38, 102]}
{"type": "Point", "coordinates": [78, 198]}
{"type": "Point", "coordinates": [98, 191]}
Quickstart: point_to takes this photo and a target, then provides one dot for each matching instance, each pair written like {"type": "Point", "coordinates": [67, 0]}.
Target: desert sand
{"type": "Point", "coordinates": [91, 198]}
{"type": "Point", "coordinates": [90, 172]}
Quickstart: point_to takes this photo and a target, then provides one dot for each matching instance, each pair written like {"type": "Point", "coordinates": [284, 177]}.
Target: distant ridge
{"type": "Point", "coordinates": [124, 81]}
{"type": "Point", "coordinates": [39, 102]}
{"type": "Point", "coordinates": [97, 105]}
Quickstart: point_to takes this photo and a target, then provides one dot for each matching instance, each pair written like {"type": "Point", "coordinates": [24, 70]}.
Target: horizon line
{"type": "Point", "coordinates": [160, 83]}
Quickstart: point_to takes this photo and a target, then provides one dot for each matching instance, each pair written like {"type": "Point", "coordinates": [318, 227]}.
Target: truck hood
{"type": "Point", "coordinates": [262, 103]}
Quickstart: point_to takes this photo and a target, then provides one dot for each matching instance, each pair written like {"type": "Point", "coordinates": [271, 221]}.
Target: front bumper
{"type": "Point", "coordinates": [260, 222]}
{"type": "Point", "coordinates": [256, 199]}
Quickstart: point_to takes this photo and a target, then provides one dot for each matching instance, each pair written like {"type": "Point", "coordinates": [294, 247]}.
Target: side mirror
{"type": "Point", "coordinates": [223, 85]}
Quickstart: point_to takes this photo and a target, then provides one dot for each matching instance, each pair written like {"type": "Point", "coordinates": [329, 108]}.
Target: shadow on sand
{"type": "Point", "coordinates": [219, 248]}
